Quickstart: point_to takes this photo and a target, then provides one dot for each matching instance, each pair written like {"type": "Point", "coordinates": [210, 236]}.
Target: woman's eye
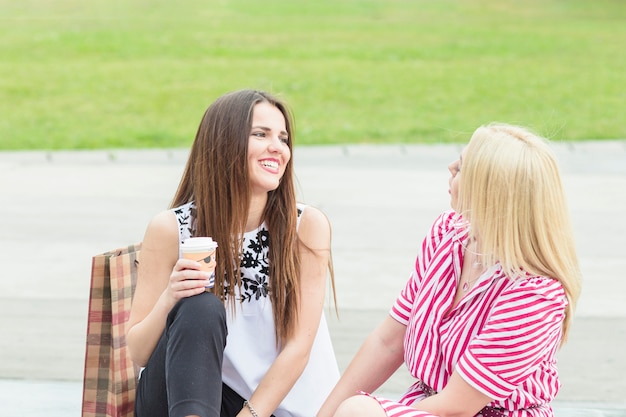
{"type": "Point", "coordinates": [258, 134]}
{"type": "Point", "coordinates": [284, 140]}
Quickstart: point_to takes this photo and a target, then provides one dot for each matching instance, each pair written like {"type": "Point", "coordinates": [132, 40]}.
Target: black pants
{"type": "Point", "coordinates": [184, 374]}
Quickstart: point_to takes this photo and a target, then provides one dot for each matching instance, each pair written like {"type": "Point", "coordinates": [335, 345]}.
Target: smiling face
{"type": "Point", "coordinates": [268, 148]}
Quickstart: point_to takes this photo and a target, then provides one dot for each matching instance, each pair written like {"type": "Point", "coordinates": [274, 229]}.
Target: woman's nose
{"type": "Point", "coordinates": [276, 144]}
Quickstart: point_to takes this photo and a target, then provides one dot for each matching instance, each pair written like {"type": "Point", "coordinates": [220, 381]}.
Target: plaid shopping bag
{"type": "Point", "coordinates": [110, 377]}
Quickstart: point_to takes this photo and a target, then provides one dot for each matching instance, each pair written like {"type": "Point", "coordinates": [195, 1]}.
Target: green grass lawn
{"type": "Point", "coordinates": [78, 74]}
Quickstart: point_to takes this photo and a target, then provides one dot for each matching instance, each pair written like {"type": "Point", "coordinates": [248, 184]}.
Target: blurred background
{"type": "Point", "coordinates": [139, 73]}
{"type": "Point", "coordinates": [100, 100]}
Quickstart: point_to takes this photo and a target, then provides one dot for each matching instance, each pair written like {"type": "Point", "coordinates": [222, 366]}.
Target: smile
{"type": "Point", "coordinates": [270, 164]}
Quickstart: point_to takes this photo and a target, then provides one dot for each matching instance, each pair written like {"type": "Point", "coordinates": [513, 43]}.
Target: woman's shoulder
{"type": "Point", "coordinates": [540, 283]}
{"type": "Point", "coordinates": [162, 227]}
{"type": "Point", "coordinates": [541, 289]}
{"type": "Point", "coordinates": [311, 214]}
{"type": "Point", "coordinates": [314, 226]}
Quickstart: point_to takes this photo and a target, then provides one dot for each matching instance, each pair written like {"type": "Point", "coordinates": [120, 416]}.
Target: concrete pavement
{"type": "Point", "coordinates": [60, 208]}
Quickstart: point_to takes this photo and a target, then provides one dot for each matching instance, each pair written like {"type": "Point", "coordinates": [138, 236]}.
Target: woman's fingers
{"type": "Point", "coordinates": [187, 279]}
{"type": "Point", "coordinates": [184, 264]}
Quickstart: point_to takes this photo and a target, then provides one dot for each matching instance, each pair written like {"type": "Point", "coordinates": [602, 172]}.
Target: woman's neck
{"type": "Point", "coordinates": [255, 212]}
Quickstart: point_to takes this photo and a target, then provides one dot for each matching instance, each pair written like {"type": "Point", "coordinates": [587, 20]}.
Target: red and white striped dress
{"type": "Point", "coordinates": [502, 337]}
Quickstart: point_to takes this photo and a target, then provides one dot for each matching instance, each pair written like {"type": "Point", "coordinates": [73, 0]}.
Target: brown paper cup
{"type": "Point", "coordinates": [203, 250]}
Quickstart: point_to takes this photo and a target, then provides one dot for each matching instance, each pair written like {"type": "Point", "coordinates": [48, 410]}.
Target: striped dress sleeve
{"type": "Point", "coordinates": [442, 226]}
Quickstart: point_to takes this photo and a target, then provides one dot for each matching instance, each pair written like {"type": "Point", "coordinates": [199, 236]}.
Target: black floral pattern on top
{"type": "Point", "coordinates": [255, 269]}
{"type": "Point", "coordinates": [254, 259]}
{"type": "Point", "coordinates": [184, 220]}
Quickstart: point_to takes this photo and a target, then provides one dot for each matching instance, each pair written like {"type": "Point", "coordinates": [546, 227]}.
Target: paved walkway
{"type": "Point", "coordinates": [60, 208]}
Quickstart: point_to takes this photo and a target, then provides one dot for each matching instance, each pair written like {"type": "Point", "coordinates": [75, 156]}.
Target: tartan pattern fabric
{"type": "Point", "coordinates": [110, 377]}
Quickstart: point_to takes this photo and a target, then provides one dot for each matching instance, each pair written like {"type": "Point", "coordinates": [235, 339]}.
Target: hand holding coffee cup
{"type": "Point", "coordinates": [202, 250]}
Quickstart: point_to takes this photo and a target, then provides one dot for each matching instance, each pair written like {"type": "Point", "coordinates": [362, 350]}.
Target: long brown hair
{"type": "Point", "coordinates": [216, 179]}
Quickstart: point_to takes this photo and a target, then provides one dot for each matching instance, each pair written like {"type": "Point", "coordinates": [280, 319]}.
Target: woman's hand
{"type": "Point", "coordinates": [379, 357]}
{"type": "Point", "coordinates": [186, 280]}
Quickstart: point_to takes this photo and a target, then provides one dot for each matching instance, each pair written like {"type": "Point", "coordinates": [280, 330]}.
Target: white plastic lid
{"type": "Point", "coordinates": [199, 244]}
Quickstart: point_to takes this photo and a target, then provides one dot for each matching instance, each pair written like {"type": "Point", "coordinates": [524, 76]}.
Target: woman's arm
{"type": "Point", "coordinates": [379, 357]}
{"type": "Point", "coordinates": [314, 250]}
{"type": "Point", "coordinates": [162, 280]}
{"type": "Point", "coordinates": [457, 399]}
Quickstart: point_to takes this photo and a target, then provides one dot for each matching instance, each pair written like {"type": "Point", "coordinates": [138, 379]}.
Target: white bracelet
{"type": "Point", "coordinates": [252, 410]}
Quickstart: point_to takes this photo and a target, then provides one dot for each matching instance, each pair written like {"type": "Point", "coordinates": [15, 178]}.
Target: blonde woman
{"type": "Point", "coordinates": [490, 300]}
{"type": "Point", "coordinates": [256, 344]}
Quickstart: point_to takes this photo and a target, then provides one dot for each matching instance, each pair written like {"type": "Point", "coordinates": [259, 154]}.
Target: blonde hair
{"type": "Point", "coordinates": [511, 193]}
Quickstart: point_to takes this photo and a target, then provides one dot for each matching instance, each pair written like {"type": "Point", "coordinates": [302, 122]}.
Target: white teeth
{"type": "Point", "coordinates": [269, 164]}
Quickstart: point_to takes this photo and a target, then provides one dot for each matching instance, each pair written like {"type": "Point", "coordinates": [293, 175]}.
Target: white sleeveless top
{"type": "Point", "coordinates": [251, 344]}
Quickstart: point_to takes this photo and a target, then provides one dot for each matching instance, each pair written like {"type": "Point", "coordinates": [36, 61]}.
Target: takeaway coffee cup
{"type": "Point", "coordinates": [201, 249]}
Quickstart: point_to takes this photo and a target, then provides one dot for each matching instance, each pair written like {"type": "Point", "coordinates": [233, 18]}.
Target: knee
{"type": "Point", "coordinates": [202, 311]}
{"type": "Point", "coordinates": [359, 405]}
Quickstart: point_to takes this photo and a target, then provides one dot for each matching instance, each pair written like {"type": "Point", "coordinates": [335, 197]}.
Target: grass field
{"type": "Point", "coordinates": [78, 74]}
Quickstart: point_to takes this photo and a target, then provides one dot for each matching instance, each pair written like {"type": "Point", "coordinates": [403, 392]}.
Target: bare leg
{"type": "Point", "coordinates": [360, 406]}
